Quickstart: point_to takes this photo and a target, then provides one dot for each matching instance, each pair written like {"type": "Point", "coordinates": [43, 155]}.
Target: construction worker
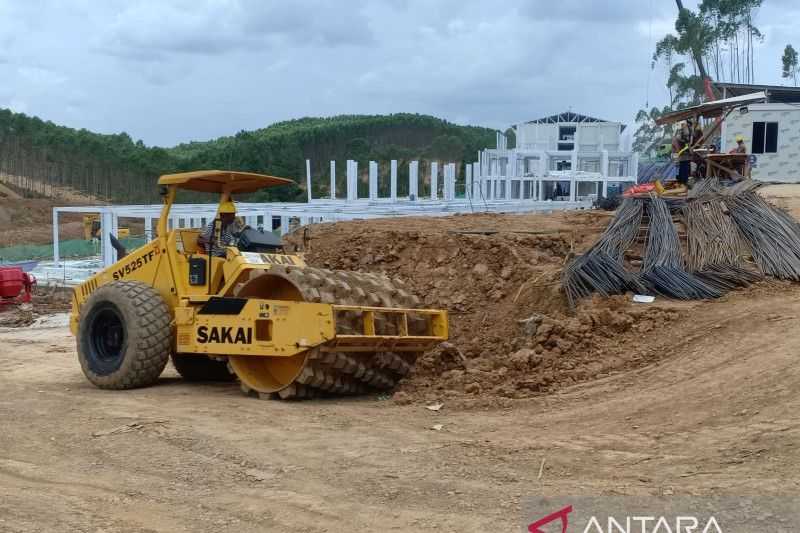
{"type": "Point", "coordinates": [740, 147]}
{"type": "Point", "coordinates": [680, 151]}
{"type": "Point", "coordinates": [694, 142]}
{"type": "Point", "coordinates": [228, 227]}
{"type": "Point", "coordinates": [741, 167]}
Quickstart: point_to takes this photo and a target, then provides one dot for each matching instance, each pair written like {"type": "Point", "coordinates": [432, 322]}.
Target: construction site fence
{"type": "Point", "coordinates": [69, 249]}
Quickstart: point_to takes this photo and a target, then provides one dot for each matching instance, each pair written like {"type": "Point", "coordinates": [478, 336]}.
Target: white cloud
{"type": "Point", "coordinates": [151, 30]}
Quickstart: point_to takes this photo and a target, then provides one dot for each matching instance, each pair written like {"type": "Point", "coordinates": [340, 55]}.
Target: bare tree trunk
{"type": "Point", "coordinates": [696, 54]}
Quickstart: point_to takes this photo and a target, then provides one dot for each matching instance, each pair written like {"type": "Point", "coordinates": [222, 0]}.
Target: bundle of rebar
{"type": "Point", "coordinates": [663, 267]}
{"type": "Point", "coordinates": [663, 247]}
{"type": "Point", "coordinates": [727, 277]}
{"type": "Point", "coordinates": [677, 283]}
{"type": "Point", "coordinates": [740, 187]}
{"type": "Point", "coordinates": [598, 272]}
{"type": "Point", "coordinates": [725, 227]}
{"type": "Point", "coordinates": [601, 268]}
{"type": "Point", "coordinates": [706, 187]}
{"type": "Point", "coordinates": [621, 231]}
{"type": "Point", "coordinates": [711, 236]}
{"type": "Point", "coordinates": [773, 236]}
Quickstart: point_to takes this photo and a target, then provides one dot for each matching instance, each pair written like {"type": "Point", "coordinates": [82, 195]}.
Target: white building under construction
{"type": "Point", "coordinates": [568, 156]}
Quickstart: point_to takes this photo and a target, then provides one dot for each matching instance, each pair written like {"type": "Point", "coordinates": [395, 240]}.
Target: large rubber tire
{"type": "Point", "coordinates": [201, 368]}
{"type": "Point", "coordinates": [124, 335]}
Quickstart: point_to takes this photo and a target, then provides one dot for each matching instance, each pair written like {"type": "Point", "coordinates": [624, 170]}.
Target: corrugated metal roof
{"type": "Point", "coordinates": [775, 93]}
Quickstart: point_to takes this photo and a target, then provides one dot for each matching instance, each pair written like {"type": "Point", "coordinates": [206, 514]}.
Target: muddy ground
{"type": "Point", "coordinates": [669, 398]}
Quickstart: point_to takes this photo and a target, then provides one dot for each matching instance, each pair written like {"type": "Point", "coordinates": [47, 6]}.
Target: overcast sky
{"type": "Point", "coordinates": [170, 71]}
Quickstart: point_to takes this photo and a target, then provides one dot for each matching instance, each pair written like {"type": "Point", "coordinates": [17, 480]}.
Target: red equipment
{"type": "Point", "coordinates": [15, 285]}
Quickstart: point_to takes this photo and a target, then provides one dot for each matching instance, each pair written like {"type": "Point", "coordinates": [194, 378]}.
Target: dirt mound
{"type": "Point", "coordinates": [543, 353]}
{"type": "Point", "coordinates": [512, 335]}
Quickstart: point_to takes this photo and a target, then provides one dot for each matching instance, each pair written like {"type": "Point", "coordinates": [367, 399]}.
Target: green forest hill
{"type": "Point", "coordinates": [119, 169]}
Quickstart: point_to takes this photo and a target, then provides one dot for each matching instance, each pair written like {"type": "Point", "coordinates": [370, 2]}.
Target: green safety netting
{"type": "Point", "coordinates": [69, 249]}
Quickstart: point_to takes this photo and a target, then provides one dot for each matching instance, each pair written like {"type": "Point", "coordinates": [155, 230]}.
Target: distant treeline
{"type": "Point", "coordinates": [119, 169]}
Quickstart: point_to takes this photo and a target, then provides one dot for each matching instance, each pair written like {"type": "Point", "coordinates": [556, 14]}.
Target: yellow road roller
{"type": "Point", "coordinates": [245, 310]}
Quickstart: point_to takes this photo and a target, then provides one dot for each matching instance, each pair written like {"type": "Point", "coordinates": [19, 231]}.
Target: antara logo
{"type": "Point", "coordinates": [562, 514]}
{"type": "Point", "coordinates": [628, 524]}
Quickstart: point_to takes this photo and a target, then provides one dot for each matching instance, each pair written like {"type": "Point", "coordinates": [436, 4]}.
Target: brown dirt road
{"type": "Point", "coordinates": [717, 412]}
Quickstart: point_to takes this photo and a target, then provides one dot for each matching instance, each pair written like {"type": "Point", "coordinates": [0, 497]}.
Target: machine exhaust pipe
{"type": "Point", "coordinates": [121, 251]}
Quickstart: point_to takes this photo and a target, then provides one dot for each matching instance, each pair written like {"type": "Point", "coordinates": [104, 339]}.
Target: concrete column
{"type": "Point", "coordinates": [634, 166]}
{"type": "Point", "coordinates": [446, 182]}
{"type": "Point", "coordinates": [106, 250]}
{"type": "Point", "coordinates": [55, 236]}
{"type": "Point", "coordinates": [434, 180]}
{"type": "Point", "coordinates": [348, 180]}
{"type": "Point", "coordinates": [468, 182]}
{"type": "Point", "coordinates": [454, 178]}
{"type": "Point", "coordinates": [284, 224]}
{"type": "Point", "coordinates": [355, 180]}
{"type": "Point", "coordinates": [493, 172]}
{"type": "Point", "coordinates": [413, 180]}
{"type": "Point", "coordinates": [148, 228]}
{"type": "Point", "coordinates": [451, 189]}
{"type": "Point", "coordinates": [308, 178]}
{"type": "Point", "coordinates": [477, 180]}
{"type": "Point", "coordinates": [333, 180]}
{"type": "Point", "coordinates": [604, 163]}
{"type": "Point", "coordinates": [510, 171]}
{"type": "Point", "coordinates": [352, 180]}
{"type": "Point", "coordinates": [347, 170]}
{"type": "Point", "coordinates": [573, 186]}
{"type": "Point", "coordinates": [373, 180]}
{"type": "Point", "coordinates": [114, 232]}
{"type": "Point", "coordinates": [393, 181]}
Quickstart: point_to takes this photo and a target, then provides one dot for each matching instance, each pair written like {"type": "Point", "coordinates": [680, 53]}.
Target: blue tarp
{"type": "Point", "coordinates": [651, 171]}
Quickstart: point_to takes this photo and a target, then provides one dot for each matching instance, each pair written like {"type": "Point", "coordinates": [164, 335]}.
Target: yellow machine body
{"type": "Point", "coordinates": [272, 319]}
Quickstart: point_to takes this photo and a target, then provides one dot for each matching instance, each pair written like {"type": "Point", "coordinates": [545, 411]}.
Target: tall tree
{"type": "Point", "coordinates": [717, 38]}
{"type": "Point", "coordinates": [790, 63]}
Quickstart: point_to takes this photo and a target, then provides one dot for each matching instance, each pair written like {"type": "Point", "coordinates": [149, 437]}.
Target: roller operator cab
{"type": "Point", "coordinates": [257, 314]}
